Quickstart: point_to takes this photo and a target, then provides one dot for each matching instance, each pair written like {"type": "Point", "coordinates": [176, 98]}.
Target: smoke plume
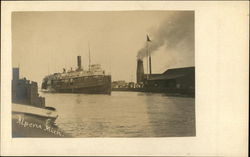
{"type": "Point", "coordinates": [176, 33]}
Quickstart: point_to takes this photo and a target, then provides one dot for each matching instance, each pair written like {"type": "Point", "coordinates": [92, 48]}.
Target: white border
{"type": "Point", "coordinates": [221, 61]}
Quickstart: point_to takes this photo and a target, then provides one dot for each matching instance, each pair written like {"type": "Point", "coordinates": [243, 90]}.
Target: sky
{"type": "Point", "coordinates": [46, 42]}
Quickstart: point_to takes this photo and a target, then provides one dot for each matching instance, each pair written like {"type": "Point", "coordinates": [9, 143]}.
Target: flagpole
{"type": "Point", "coordinates": [147, 59]}
{"type": "Point", "coordinates": [150, 70]}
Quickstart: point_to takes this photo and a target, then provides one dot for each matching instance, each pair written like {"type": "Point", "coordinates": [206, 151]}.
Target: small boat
{"type": "Point", "coordinates": [42, 113]}
{"type": "Point", "coordinates": [30, 116]}
{"type": "Point", "coordinates": [28, 121]}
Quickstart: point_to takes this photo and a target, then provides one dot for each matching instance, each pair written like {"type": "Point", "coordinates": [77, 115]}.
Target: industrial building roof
{"type": "Point", "coordinates": [172, 73]}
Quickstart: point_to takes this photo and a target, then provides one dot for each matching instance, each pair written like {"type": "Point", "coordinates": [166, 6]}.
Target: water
{"type": "Point", "coordinates": [124, 114]}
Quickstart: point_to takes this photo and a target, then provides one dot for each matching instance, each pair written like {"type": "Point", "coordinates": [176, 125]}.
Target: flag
{"type": "Point", "coordinates": [148, 39]}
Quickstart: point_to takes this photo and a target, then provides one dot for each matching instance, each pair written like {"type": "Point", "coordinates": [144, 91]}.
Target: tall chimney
{"type": "Point", "coordinates": [79, 62]}
{"type": "Point", "coordinates": [140, 71]}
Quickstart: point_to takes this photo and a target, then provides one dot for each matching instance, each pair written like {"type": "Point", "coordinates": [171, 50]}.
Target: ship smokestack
{"type": "Point", "coordinates": [140, 71]}
{"type": "Point", "coordinates": [79, 63]}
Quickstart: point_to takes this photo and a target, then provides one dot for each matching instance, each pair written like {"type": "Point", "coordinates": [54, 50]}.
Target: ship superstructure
{"type": "Point", "coordinates": [92, 81]}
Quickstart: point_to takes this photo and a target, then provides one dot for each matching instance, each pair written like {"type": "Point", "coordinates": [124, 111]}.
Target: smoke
{"type": "Point", "coordinates": [175, 34]}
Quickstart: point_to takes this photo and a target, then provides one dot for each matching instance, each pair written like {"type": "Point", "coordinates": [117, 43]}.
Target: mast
{"type": "Point", "coordinates": [48, 70]}
{"type": "Point", "coordinates": [89, 57]}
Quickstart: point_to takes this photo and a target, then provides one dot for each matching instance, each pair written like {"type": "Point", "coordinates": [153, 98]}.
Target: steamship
{"type": "Point", "coordinates": [91, 81]}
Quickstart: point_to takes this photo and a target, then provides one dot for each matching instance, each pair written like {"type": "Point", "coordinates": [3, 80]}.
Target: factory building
{"type": "Point", "coordinates": [25, 91]}
{"type": "Point", "coordinates": [177, 80]}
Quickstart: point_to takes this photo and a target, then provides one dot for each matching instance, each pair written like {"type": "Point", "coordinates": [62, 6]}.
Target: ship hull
{"type": "Point", "coordinates": [94, 85]}
{"type": "Point", "coordinates": [87, 90]}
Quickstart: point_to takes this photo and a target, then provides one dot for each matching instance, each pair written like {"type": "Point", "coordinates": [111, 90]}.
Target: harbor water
{"type": "Point", "coordinates": [123, 114]}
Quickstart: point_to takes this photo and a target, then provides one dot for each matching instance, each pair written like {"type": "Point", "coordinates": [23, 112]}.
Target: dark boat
{"type": "Point", "coordinates": [91, 81]}
{"type": "Point", "coordinates": [30, 116]}
{"type": "Point", "coordinates": [30, 121]}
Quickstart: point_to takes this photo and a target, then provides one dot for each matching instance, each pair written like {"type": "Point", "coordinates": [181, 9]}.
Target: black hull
{"type": "Point", "coordinates": [87, 85]}
{"type": "Point", "coordinates": [86, 90]}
